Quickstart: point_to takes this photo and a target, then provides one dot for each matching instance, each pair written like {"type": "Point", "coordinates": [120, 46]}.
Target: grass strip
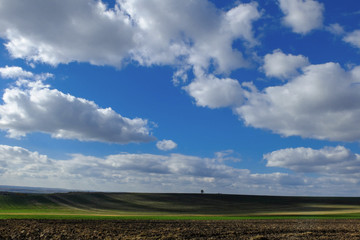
{"type": "Point", "coordinates": [174, 218]}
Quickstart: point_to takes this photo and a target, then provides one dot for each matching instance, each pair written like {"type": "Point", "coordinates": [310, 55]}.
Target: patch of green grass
{"type": "Point", "coordinates": [173, 218]}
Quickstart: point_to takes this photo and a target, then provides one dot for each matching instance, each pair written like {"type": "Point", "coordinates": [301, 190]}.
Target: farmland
{"type": "Point", "coordinates": [96, 215]}
{"type": "Point", "coordinates": [175, 229]}
{"type": "Point", "coordinates": [170, 206]}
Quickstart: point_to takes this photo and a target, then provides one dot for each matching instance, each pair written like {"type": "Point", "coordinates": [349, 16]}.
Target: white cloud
{"type": "Point", "coordinates": [186, 34]}
{"type": "Point", "coordinates": [14, 72]}
{"type": "Point", "coordinates": [302, 15]}
{"type": "Point", "coordinates": [335, 169]}
{"type": "Point", "coordinates": [64, 32]}
{"type": "Point", "coordinates": [166, 145]}
{"type": "Point", "coordinates": [183, 173]}
{"type": "Point", "coordinates": [131, 172]}
{"type": "Point", "coordinates": [240, 20]}
{"type": "Point", "coordinates": [353, 38]}
{"type": "Point", "coordinates": [20, 162]}
{"type": "Point", "coordinates": [321, 103]}
{"type": "Point", "coordinates": [32, 106]}
{"type": "Point", "coordinates": [210, 91]}
{"type": "Point", "coordinates": [194, 30]}
{"type": "Point", "coordinates": [336, 29]}
{"type": "Point", "coordinates": [283, 65]}
{"type": "Point", "coordinates": [226, 155]}
{"type": "Point", "coordinates": [328, 160]}
{"type": "Point", "coordinates": [147, 31]}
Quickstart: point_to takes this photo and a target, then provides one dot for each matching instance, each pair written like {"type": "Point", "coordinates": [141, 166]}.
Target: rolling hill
{"type": "Point", "coordinates": [155, 204]}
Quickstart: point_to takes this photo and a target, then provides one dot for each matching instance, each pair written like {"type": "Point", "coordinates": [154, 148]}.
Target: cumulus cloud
{"type": "Point", "coordinates": [210, 91]}
{"type": "Point", "coordinates": [14, 72]}
{"type": "Point", "coordinates": [132, 172]}
{"type": "Point", "coordinates": [166, 145]}
{"type": "Point", "coordinates": [174, 172]}
{"type": "Point", "coordinates": [21, 162]}
{"type": "Point", "coordinates": [321, 103]}
{"type": "Point", "coordinates": [336, 169]}
{"type": "Point", "coordinates": [280, 65]}
{"type": "Point", "coordinates": [353, 38]}
{"type": "Point", "coordinates": [146, 31]}
{"type": "Point", "coordinates": [65, 32]}
{"type": "Point", "coordinates": [328, 160]}
{"type": "Point", "coordinates": [318, 101]}
{"type": "Point", "coordinates": [191, 32]}
{"type": "Point", "coordinates": [184, 173]}
{"type": "Point", "coordinates": [184, 34]}
{"type": "Point", "coordinates": [32, 106]}
{"type": "Point", "coordinates": [302, 15]}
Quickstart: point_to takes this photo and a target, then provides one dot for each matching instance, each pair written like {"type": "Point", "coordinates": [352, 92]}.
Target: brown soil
{"type": "Point", "coordinates": [133, 229]}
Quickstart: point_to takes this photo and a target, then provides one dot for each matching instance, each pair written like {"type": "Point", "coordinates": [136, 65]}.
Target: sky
{"type": "Point", "coordinates": [242, 97]}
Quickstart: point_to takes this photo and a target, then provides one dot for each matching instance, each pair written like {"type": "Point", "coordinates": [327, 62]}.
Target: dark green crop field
{"type": "Point", "coordinates": [84, 205]}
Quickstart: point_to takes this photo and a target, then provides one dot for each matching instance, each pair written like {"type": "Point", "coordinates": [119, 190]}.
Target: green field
{"type": "Point", "coordinates": [83, 205]}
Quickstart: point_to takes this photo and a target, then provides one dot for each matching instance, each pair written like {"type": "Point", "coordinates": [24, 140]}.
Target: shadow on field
{"type": "Point", "coordinates": [182, 204]}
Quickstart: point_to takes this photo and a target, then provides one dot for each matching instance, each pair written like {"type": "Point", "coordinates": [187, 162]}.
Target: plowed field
{"type": "Point", "coordinates": [146, 229]}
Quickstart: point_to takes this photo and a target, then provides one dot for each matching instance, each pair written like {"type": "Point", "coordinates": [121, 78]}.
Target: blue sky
{"type": "Point", "coordinates": [245, 97]}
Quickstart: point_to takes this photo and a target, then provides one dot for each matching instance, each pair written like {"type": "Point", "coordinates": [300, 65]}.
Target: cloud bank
{"type": "Point", "coordinates": [185, 173]}
{"type": "Point", "coordinates": [136, 172]}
